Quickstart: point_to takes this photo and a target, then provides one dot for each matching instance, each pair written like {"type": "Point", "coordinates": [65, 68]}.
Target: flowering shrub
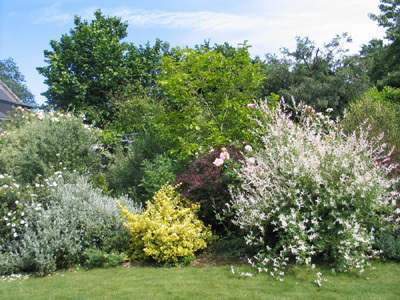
{"type": "Point", "coordinates": [312, 193]}
{"type": "Point", "coordinates": [75, 218]}
{"type": "Point", "coordinates": [13, 198]}
{"type": "Point", "coordinates": [168, 231]}
{"type": "Point", "coordinates": [36, 143]}
{"type": "Point", "coordinates": [207, 181]}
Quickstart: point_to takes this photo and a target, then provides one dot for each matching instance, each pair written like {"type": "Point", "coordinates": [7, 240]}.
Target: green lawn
{"type": "Point", "coordinates": [204, 283]}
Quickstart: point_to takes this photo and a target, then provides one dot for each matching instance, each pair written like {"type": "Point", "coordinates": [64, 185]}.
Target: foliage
{"type": "Point", "coordinates": [76, 217]}
{"type": "Point", "coordinates": [322, 77]}
{"type": "Point", "coordinates": [91, 65]}
{"type": "Point", "coordinates": [95, 258]}
{"type": "Point", "coordinates": [389, 18]}
{"type": "Point", "coordinates": [380, 111]}
{"type": "Point", "coordinates": [168, 231]}
{"type": "Point", "coordinates": [383, 60]}
{"type": "Point", "coordinates": [13, 198]}
{"type": "Point", "coordinates": [206, 97]}
{"type": "Point", "coordinates": [13, 78]}
{"type": "Point", "coordinates": [313, 193]}
{"type": "Point", "coordinates": [40, 143]}
{"type": "Point", "coordinates": [208, 184]}
{"type": "Point", "coordinates": [156, 173]}
{"type": "Point", "coordinates": [136, 115]}
{"type": "Point", "coordinates": [388, 241]}
{"type": "Point", "coordinates": [126, 170]}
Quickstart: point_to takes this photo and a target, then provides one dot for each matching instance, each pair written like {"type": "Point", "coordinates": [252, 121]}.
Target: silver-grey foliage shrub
{"type": "Point", "coordinates": [77, 217]}
{"type": "Point", "coordinates": [313, 193]}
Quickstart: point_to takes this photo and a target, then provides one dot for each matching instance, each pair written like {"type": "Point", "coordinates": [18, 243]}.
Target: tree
{"type": "Point", "coordinates": [323, 77]}
{"type": "Point", "coordinates": [92, 64]}
{"type": "Point", "coordinates": [389, 18]}
{"type": "Point", "coordinates": [206, 97]}
{"type": "Point", "coordinates": [384, 60]}
{"type": "Point", "coordinates": [13, 78]}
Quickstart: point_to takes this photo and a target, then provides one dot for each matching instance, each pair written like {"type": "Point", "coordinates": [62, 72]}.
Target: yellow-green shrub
{"type": "Point", "coordinates": [168, 230]}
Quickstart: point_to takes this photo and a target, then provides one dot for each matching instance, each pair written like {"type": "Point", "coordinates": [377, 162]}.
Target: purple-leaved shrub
{"type": "Point", "coordinates": [207, 181]}
{"type": "Point", "coordinates": [312, 192]}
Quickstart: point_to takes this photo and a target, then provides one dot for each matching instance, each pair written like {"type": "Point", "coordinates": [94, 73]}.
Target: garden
{"type": "Point", "coordinates": [225, 189]}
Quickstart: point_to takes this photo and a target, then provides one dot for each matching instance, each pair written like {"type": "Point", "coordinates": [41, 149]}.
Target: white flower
{"type": "Point", "coordinates": [232, 270]}
{"type": "Point", "coordinates": [248, 148]}
{"type": "Point", "coordinates": [251, 160]}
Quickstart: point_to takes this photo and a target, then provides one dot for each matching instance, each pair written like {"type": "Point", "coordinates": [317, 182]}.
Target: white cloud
{"type": "Point", "coordinates": [53, 14]}
{"type": "Point", "coordinates": [199, 21]}
{"type": "Point", "coordinates": [268, 25]}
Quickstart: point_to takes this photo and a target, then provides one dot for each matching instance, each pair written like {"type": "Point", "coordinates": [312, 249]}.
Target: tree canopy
{"type": "Point", "coordinates": [91, 65]}
{"type": "Point", "coordinates": [323, 77]}
{"type": "Point", "coordinates": [206, 96]}
{"type": "Point", "coordinates": [383, 60]}
{"type": "Point", "coordinates": [13, 78]}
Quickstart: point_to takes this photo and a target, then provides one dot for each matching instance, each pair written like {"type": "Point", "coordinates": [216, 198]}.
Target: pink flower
{"type": "Point", "coordinates": [218, 162]}
{"type": "Point", "coordinates": [251, 105]}
{"type": "Point", "coordinates": [224, 155]}
{"type": "Point", "coordinates": [258, 169]}
{"type": "Point", "coordinates": [248, 148]}
{"type": "Point", "coordinates": [223, 149]}
{"type": "Point", "coordinates": [251, 160]}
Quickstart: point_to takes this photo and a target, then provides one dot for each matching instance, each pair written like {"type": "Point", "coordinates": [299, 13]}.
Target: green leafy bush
{"type": "Point", "coordinates": [313, 193]}
{"type": "Point", "coordinates": [96, 258]}
{"type": "Point", "coordinates": [382, 112]}
{"type": "Point", "coordinates": [75, 218]}
{"type": "Point", "coordinates": [168, 231]}
{"type": "Point", "coordinates": [39, 144]}
{"type": "Point", "coordinates": [126, 170]}
{"type": "Point", "coordinates": [207, 95]}
{"type": "Point", "coordinates": [388, 241]}
{"type": "Point", "coordinates": [156, 173]}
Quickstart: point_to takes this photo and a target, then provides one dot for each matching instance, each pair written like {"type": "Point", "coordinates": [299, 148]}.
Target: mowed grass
{"type": "Point", "coordinates": [205, 283]}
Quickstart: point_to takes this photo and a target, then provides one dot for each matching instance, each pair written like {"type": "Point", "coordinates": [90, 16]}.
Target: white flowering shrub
{"type": "Point", "coordinates": [312, 193]}
{"type": "Point", "coordinates": [37, 143]}
{"type": "Point", "coordinates": [13, 197]}
{"type": "Point", "coordinates": [75, 218]}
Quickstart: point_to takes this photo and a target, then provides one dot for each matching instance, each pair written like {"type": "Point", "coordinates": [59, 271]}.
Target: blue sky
{"type": "Point", "coordinates": [27, 26]}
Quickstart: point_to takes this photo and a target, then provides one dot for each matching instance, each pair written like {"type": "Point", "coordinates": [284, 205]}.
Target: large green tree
{"type": "Point", "coordinates": [383, 60]}
{"type": "Point", "coordinates": [206, 97]}
{"type": "Point", "coordinates": [91, 65]}
{"type": "Point", "coordinates": [323, 77]}
{"type": "Point", "coordinates": [13, 78]}
{"type": "Point", "coordinates": [389, 18]}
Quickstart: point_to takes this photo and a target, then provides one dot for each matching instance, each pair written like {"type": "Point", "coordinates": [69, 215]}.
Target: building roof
{"type": "Point", "coordinates": [3, 116]}
{"type": "Point", "coordinates": [7, 100]}
{"type": "Point", "coordinates": [7, 95]}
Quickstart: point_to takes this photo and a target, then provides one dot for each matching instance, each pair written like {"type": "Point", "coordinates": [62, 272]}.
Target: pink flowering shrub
{"type": "Point", "coordinates": [312, 193]}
